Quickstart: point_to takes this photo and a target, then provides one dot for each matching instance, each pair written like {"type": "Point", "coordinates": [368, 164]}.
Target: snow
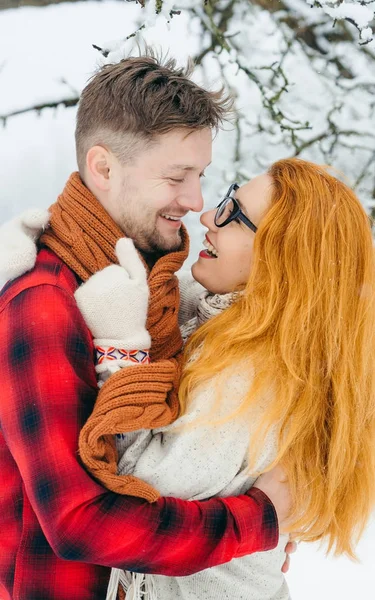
{"type": "Point", "coordinates": [42, 48]}
{"type": "Point", "coordinates": [359, 12]}
{"type": "Point", "coordinates": [312, 575]}
{"type": "Point", "coordinates": [366, 34]}
{"type": "Point", "coordinates": [362, 15]}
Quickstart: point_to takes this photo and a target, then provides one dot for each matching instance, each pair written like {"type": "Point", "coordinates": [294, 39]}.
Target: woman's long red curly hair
{"type": "Point", "coordinates": [307, 320]}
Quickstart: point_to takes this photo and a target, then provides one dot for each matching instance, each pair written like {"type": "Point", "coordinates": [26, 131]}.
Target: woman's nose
{"type": "Point", "coordinates": [208, 219]}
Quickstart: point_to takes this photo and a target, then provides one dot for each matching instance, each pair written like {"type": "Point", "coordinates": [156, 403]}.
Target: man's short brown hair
{"type": "Point", "coordinates": [126, 105]}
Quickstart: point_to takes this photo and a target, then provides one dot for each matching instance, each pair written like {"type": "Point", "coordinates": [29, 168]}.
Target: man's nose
{"type": "Point", "coordinates": [191, 198]}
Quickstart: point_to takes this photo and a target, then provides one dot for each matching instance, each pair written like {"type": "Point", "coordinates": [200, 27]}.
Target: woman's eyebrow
{"type": "Point", "coordinates": [241, 206]}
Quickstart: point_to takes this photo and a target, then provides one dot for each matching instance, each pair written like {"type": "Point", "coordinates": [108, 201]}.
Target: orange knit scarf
{"type": "Point", "coordinates": [84, 236]}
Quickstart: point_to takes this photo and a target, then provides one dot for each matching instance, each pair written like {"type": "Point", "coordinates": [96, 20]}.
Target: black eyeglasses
{"type": "Point", "coordinates": [228, 210]}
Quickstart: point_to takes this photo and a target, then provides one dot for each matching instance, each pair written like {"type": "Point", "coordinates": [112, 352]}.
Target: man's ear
{"type": "Point", "coordinates": [98, 166]}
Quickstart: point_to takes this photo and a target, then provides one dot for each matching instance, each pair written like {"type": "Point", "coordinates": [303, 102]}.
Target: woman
{"type": "Point", "coordinates": [281, 373]}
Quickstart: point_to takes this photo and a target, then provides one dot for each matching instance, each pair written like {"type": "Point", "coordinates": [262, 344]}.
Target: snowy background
{"type": "Point", "coordinates": [46, 54]}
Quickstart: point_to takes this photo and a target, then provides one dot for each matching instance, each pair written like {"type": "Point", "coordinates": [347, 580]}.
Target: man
{"type": "Point", "coordinates": [143, 141]}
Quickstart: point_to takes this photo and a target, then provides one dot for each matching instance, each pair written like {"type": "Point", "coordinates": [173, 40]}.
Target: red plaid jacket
{"type": "Point", "coordinates": [60, 531]}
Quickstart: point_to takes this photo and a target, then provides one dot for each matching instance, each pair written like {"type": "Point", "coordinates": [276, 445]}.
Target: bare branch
{"type": "Point", "coordinates": [366, 166]}
{"type": "Point", "coordinates": [66, 102]}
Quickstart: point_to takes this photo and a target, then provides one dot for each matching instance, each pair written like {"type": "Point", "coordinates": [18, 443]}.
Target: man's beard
{"type": "Point", "coordinates": [155, 242]}
{"type": "Point", "coordinates": [143, 230]}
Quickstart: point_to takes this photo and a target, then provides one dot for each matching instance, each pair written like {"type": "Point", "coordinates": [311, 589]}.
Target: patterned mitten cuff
{"type": "Point", "coordinates": [105, 354]}
{"type": "Point", "coordinates": [109, 360]}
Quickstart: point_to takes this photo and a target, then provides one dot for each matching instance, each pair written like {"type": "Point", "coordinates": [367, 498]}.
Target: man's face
{"type": "Point", "coordinates": [151, 195]}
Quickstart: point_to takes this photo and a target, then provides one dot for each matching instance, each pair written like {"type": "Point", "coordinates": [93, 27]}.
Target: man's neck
{"type": "Point", "coordinates": [151, 258]}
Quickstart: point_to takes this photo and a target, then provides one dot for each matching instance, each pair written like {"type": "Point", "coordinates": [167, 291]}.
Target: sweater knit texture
{"type": "Point", "coordinates": [84, 236]}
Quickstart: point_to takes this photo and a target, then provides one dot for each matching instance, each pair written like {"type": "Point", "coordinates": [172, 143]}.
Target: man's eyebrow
{"type": "Point", "coordinates": [181, 167]}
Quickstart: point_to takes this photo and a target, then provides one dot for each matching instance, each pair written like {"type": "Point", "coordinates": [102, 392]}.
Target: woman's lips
{"type": "Point", "coordinates": [204, 254]}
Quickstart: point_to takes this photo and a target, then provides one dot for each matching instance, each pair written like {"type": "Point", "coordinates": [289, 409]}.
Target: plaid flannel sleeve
{"type": "Point", "coordinates": [48, 391]}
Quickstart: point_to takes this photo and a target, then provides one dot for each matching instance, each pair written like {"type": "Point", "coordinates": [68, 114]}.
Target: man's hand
{"type": "Point", "coordinates": [290, 548]}
{"type": "Point", "coordinates": [275, 486]}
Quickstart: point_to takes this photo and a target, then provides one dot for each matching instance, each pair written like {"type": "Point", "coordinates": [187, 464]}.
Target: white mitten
{"type": "Point", "coordinates": [114, 302]}
{"type": "Point", "coordinates": [17, 242]}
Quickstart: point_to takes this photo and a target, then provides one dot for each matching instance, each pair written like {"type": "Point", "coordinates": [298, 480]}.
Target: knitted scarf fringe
{"type": "Point", "coordinates": [130, 586]}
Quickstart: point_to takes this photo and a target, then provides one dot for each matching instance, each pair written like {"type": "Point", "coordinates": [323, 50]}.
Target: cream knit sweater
{"type": "Point", "coordinates": [198, 462]}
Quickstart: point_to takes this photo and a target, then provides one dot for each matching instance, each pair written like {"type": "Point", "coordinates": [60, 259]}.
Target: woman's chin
{"type": "Point", "coordinates": [197, 274]}
{"type": "Point", "coordinates": [200, 277]}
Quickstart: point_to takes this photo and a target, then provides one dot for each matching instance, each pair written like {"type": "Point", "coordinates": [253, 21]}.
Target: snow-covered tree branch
{"type": "Point", "coordinates": [302, 73]}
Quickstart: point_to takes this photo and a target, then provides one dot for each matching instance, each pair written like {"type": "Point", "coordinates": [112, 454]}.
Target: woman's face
{"type": "Point", "coordinates": [233, 243]}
